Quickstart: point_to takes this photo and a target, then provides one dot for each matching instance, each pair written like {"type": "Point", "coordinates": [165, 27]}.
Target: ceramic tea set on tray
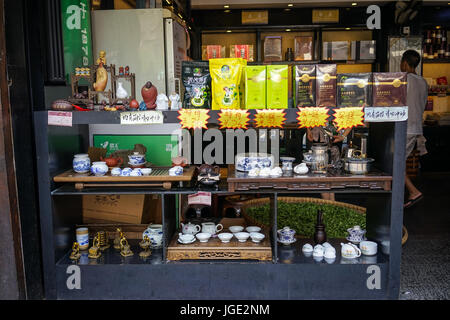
{"type": "Point", "coordinates": [190, 232]}
{"type": "Point", "coordinates": [137, 164]}
{"type": "Point", "coordinates": [263, 165]}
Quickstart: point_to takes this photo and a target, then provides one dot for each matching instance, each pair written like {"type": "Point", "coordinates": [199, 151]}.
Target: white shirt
{"type": "Point", "coordinates": [416, 100]}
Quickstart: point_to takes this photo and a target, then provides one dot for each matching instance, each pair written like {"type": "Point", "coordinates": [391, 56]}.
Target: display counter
{"type": "Point", "coordinates": [288, 274]}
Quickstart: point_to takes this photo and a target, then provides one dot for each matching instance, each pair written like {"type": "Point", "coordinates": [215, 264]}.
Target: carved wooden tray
{"type": "Point", "coordinates": [215, 249]}
{"type": "Point", "coordinates": [158, 178]}
{"type": "Point", "coordinates": [240, 181]}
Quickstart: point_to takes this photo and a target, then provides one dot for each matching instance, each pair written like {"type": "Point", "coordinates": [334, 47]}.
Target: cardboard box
{"type": "Point", "coordinates": [255, 87]}
{"type": "Point", "coordinates": [277, 86]}
{"type": "Point", "coordinates": [213, 52]}
{"type": "Point", "coordinates": [136, 209]}
{"type": "Point", "coordinates": [244, 51]}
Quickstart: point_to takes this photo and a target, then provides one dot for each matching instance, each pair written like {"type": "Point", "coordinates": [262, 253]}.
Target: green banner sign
{"type": "Point", "coordinates": [76, 25]}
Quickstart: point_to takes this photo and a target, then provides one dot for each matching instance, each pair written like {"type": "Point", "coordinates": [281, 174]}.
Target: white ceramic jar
{"type": "Point", "coordinates": [99, 168]}
{"type": "Point", "coordinates": [81, 163]}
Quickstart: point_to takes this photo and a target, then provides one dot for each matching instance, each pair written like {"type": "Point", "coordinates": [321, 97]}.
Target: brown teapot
{"type": "Point", "coordinates": [112, 161]}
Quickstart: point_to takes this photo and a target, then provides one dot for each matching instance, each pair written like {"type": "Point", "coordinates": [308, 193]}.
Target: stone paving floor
{"type": "Point", "coordinates": [425, 268]}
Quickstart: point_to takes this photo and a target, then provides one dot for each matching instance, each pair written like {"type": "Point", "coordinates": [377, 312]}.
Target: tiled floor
{"type": "Point", "coordinates": [425, 269]}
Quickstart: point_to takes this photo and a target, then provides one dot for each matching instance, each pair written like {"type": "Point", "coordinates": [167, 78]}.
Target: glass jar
{"type": "Point", "coordinates": [320, 163]}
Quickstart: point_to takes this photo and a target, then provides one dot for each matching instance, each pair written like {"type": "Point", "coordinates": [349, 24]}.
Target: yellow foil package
{"type": "Point", "coordinates": [226, 82]}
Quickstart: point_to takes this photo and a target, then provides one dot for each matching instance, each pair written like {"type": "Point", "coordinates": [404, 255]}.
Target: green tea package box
{"type": "Point", "coordinates": [255, 87]}
{"type": "Point", "coordinates": [277, 86]}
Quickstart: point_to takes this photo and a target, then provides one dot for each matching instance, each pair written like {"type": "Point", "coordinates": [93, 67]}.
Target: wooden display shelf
{"type": "Point", "coordinates": [215, 249]}
{"type": "Point", "coordinates": [240, 181]}
{"type": "Point", "coordinates": [158, 178]}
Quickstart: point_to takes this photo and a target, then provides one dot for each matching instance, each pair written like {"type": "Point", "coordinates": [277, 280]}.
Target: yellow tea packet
{"type": "Point", "coordinates": [226, 82]}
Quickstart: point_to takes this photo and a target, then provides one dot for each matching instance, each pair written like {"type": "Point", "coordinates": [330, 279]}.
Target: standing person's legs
{"type": "Point", "coordinates": [414, 194]}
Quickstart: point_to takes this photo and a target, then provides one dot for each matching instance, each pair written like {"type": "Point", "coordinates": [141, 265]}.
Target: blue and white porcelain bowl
{"type": "Point", "coordinates": [99, 168]}
{"type": "Point", "coordinates": [116, 171]}
{"type": "Point", "coordinates": [176, 171]}
{"type": "Point", "coordinates": [248, 161]}
{"type": "Point", "coordinates": [126, 172]}
{"type": "Point", "coordinates": [136, 173]}
{"type": "Point", "coordinates": [286, 234]}
{"type": "Point", "coordinates": [136, 159]}
{"type": "Point", "coordinates": [81, 163]}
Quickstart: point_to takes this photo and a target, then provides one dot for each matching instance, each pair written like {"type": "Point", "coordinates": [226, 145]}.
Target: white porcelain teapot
{"type": "Point", "coordinates": [350, 251]}
{"type": "Point", "coordinates": [211, 227]}
{"type": "Point", "coordinates": [190, 228]}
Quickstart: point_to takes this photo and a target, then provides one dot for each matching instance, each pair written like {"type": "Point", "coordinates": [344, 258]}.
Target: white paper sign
{"type": "Point", "coordinates": [385, 114]}
{"type": "Point", "coordinates": [60, 118]}
{"type": "Point", "coordinates": [203, 198]}
{"type": "Point", "coordinates": [142, 117]}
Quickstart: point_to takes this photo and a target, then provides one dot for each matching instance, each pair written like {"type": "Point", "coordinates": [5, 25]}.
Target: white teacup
{"type": "Point", "coordinates": [307, 248]}
{"type": "Point", "coordinates": [368, 248]}
{"type": "Point", "coordinates": [318, 246]}
{"type": "Point", "coordinates": [225, 237]}
{"type": "Point", "coordinates": [350, 251]}
{"type": "Point", "coordinates": [185, 237]}
{"type": "Point", "coordinates": [318, 251]}
{"type": "Point", "coordinates": [330, 253]}
{"type": "Point", "coordinates": [327, 245]}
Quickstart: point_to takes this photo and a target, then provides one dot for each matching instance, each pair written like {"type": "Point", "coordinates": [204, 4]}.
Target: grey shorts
{"type": "Point", "coordinates": [412, 140]}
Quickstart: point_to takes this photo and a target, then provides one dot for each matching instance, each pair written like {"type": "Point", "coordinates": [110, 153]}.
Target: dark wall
{"type": "Point", "coordinates": [24, 95]}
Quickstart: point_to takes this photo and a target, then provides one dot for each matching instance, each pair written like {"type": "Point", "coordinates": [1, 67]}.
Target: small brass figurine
{"type": "Point", "coordinates": [101, 57]}
{"type": "Point", "coordinates": [103, 240]}
{"type": "Point", "coordinates": [75, 255]}
{"type": "Point", "coordinates": [125, 248]}
{"type": "Point", "coordinates": [119, 236]}
{"type": "Point", "coordinates": [145, 244]}
{"type": "Point", "coordinates": [94, 251]}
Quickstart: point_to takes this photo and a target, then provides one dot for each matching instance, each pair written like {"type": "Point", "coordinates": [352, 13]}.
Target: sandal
{"type": "Point", "coordinates": [411, 202]}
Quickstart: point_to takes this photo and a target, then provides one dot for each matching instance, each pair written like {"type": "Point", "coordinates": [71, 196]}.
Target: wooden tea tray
{"type": "Point", "coordinates": [215, 249]}
{"type": "Point", "coordinates": [240, 181]}
{"type": "Point", "coordinates": [158, 178]}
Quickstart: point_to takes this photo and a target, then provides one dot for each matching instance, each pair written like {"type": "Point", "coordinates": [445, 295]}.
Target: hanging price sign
{"type": "Point", "coordinates": [193, 118]}
{"type": "Point", "coordinates": [233, 119]}
{"type": "Point", "coordinates": [309, 117]}
{"type": "Point", "coordinates": [270, 118]}
{"type": "Point", "coordinates": [348, 117]}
